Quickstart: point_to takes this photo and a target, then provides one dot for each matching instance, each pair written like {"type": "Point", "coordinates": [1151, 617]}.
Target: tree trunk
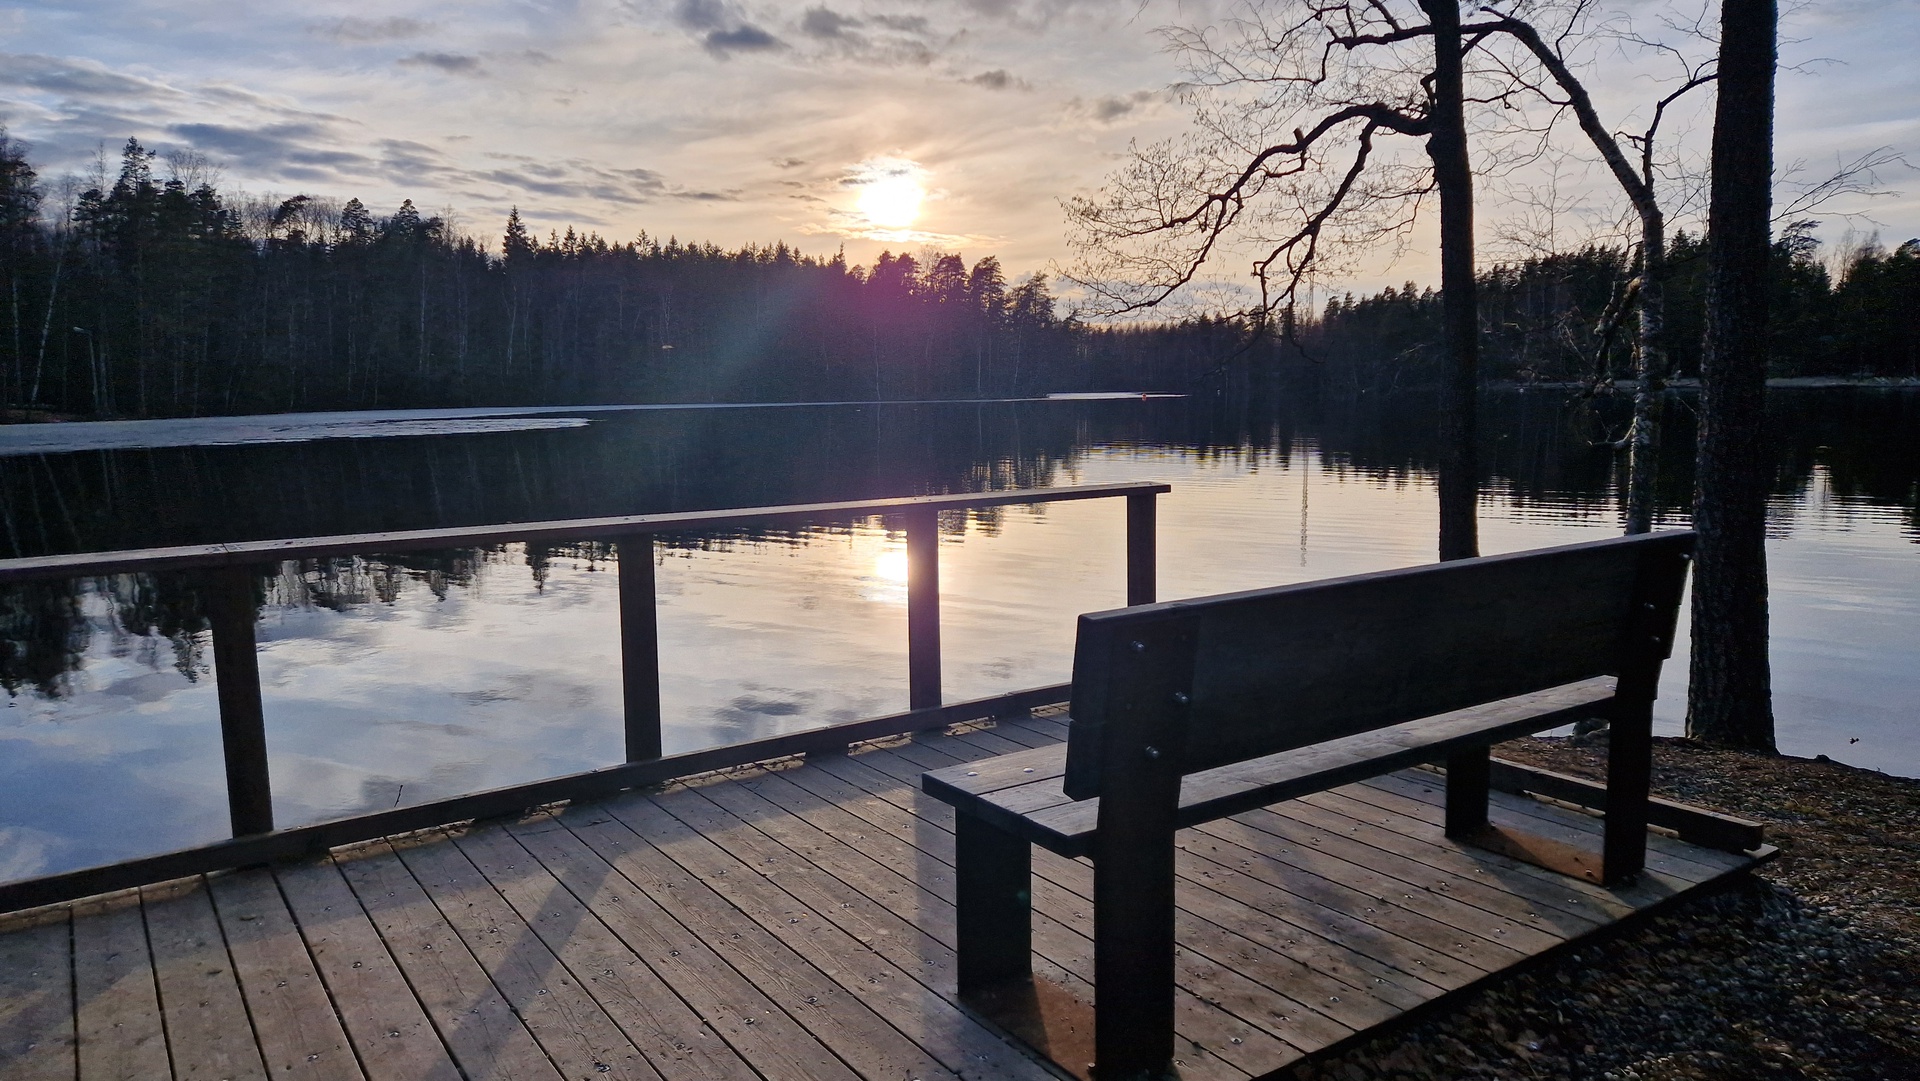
{"type": "Point", "coordinates": [1729, 697]}
{"type": "Point", "coordinates": [1643, 439]}
{"type": "Point", "coordinates": [1453, 175]}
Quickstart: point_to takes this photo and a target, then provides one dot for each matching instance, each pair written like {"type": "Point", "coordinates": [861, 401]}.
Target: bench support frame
{"type": "Point", "coordinates": [1134, 725]}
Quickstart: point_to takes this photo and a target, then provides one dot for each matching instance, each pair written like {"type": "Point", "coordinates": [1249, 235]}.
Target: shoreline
{"type": "Point", "coordinates": [1784, 382]}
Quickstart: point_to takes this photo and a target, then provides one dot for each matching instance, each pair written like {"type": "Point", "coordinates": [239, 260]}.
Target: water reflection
{"type": "Point", "coordinates": [393, 680]}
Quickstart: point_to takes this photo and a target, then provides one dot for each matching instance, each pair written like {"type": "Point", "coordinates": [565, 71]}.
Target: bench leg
{"type": "Point", "coordinates": [1469, 776]}
{"type": "Point", "coordinates": [1629, 780]}
{"type": "Point", "coordinates": [1133, 916]}
{"type": "Point", "coordinates": [992, 904]}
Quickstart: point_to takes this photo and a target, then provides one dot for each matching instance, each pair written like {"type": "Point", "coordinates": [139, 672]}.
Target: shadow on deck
{"type": "Point", "coordinates": [793, 922]}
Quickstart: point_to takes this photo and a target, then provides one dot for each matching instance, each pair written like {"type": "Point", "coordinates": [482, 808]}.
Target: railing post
{"type": "Point", "coordinates": [639, 647]}
{"type": "Point", "coordinates": [1142, 526]}
{"type": "Point", "coordinates": [236, 668]}
{"type": "Point", "coordinates": [923, 608]}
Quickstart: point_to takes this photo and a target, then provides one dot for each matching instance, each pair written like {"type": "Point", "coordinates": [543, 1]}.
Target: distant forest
{"type": "Point", "coordinates": [148, 296]}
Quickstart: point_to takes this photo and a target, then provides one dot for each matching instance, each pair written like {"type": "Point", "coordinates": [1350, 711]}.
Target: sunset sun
{"type": "Point", "coordinates": [892, 201]}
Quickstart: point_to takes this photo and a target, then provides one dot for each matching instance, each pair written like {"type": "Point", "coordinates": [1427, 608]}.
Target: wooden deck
{"type": "Point", "coordinates": [788, 923]}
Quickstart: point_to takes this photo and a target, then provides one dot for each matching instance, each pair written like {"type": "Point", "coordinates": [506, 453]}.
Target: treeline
{"type": "Point", "coordinates": [141, 295]}
{"type": "Point", "coordinates": [159, 296]}
{"type": "Point", "coordinates": [1547, 318]}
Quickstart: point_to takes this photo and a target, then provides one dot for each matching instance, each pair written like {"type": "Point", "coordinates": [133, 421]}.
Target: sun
{"type": "Point", "coordinates": [892, 201]}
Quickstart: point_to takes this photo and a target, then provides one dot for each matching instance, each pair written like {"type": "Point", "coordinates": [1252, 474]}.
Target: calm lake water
{"type": "Point", "coordinates": [399, 680]}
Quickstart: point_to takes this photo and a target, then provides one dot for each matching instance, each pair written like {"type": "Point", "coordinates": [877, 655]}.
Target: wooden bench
{"type": "Point", "coordinates": [1187, 711]}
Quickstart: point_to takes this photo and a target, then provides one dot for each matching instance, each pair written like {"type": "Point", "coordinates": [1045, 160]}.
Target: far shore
{"type": "Point", "coordinates": [1786, 382]}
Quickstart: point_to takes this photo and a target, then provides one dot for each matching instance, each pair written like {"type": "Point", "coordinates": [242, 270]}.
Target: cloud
{"type": "Point", "coordinates": [357, 31]}
{"type": "Point", "coordinates": [726, 30]}
{"type": "Point", "coordinates": [85, 79]}
{"type": "Point", "coordinates": [1113, 107]}
{"type": "Point", "coordinates": [906, 24]}
{"type": "Point", "coordinates": [451, 63]}
{"type": "Point", "coordinates": [265, 146]}
{"type": "Point", "coordinates": [745, 38]}
{"type": "Point", "coordinates": [871, 39]}
{"type": "Point", "coordinates": [822, 22]}
{"type": "Point", "coordinates": [999, 79]}
{"type": "Point", "coordinates": [703, 14]}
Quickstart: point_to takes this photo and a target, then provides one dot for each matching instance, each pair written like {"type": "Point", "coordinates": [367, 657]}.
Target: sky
{"type": "Point", "coordinates": [863, 124]}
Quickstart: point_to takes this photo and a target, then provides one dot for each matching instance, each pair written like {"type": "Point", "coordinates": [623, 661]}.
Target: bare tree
{"type": "Point", "coordinates": [1550, 77]}
{"type": "Point", "coordinates": [1289, 167]}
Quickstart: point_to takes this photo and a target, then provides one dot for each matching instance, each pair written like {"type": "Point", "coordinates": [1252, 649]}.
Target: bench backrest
{"type": "Point", "coordinates": [1215, 680]}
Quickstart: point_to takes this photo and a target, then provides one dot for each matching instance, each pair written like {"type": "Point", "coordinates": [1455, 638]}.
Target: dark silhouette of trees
{"type": "Point", "coordinates": [159, 296]}
{"type": "Point", "coordinates": [149, 292]}
{"type": "Point", "coordinates": [1730, 685]}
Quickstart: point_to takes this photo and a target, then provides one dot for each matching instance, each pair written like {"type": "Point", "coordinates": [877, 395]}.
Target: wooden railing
{"type": "Point", "coordinates": [225, 574]}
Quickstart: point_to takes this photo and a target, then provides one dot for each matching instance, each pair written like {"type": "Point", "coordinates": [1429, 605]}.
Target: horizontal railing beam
{"type": "Point", "coordinates": [304, 841]}
{"type": "Point", "coordinates": [88, 564]}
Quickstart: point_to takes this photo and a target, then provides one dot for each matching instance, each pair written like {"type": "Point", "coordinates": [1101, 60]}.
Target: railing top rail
{"type": "Point", "coordinates": [84, 564]}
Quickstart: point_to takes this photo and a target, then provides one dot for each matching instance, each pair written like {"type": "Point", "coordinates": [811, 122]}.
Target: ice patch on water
{"type": "Point", "coordinates": [63, 438]}
{"type": "Point", "coordinates": [16, 439]}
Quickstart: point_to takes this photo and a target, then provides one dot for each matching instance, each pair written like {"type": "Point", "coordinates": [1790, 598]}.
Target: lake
{"type": "Point", "coordinates": [399, 680]}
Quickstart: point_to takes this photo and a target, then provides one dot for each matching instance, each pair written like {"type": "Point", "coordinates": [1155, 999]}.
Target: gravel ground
{"type": "Point", "coordinates": [1810, 970]}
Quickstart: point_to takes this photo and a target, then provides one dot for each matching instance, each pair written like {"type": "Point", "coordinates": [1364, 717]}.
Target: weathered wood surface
{"type": "Point", "coordinates": [1023, 792]}
{"type": "Point", "coordinates": [793, 923]}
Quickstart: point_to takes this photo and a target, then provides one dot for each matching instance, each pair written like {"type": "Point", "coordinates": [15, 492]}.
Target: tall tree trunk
{"type": "Point", "coordinates": [1643, 439]}
{"type": "Point", "coordinates": [1730, 696]}
{"type": "Point", "coordinates": [1453, 174]}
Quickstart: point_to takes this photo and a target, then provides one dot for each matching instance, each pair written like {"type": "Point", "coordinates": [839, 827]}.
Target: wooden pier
{"type": "Point", "coordinates": [787, 921]}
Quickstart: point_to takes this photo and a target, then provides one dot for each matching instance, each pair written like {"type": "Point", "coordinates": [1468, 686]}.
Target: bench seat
{"type": "Point", "coordinates": [1021, 792]}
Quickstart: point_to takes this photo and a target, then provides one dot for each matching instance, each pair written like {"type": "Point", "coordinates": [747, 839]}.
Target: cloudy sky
{"type": "Point", "coordinates": [745, 120]}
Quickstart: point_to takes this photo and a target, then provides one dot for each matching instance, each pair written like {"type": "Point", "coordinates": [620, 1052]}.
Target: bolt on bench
{"type": "Point", "coordinates": [1188, 711]}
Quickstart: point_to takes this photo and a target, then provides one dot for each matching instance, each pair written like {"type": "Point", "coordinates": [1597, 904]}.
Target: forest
{"type": "Point", "coordinates": [146, 292]}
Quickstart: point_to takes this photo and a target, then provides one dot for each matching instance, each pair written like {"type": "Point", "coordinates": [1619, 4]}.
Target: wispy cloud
{"type": "Point", "coordinates": [745, 38]}
{"type": "Point", "coordinates": [998, 79]}
{"type": "Point", "coordinates": [450, 63]}
{"type": "Point", "coordinates": [724, 28]}
{"type": "Point", "coordinates": [357, 31]}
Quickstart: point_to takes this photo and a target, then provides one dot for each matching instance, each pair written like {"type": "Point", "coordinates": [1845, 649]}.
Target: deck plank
{"type": "Point", "coordinates": [752, 1023]}
{"type": "Point", "coordinates": [1313, 989]}
{"type": "Point", "coordinates": [846, 1022]}
{"type": "Point", "coordinates": [1294, 942]}
{"type": "Point", "coordinates": [1301, 943]}
{"type": "Point", "coordinates": [117, 1014]}
{"type": "Point", "coordinates": [389, 1030]}
{"type": "Point", "coordinates": [677, 1042]}
{"type": "Point", "coordinates": [573, 1028]}
{"type": "Point", "coordinates": [299, 1034]}
{"type": "Point", "coordinates": [36, 999]}
{"type": "Point", "coordinates": [1067, 955]}
{"type": "Point", "coordinates": [199, 991]}
{"type": "Point", "coordinates": [1444, 961]}
{"type": "Point", "coordinates": [959, 1043]}
{"type": "Point", "coordinates": [487, 1039]}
